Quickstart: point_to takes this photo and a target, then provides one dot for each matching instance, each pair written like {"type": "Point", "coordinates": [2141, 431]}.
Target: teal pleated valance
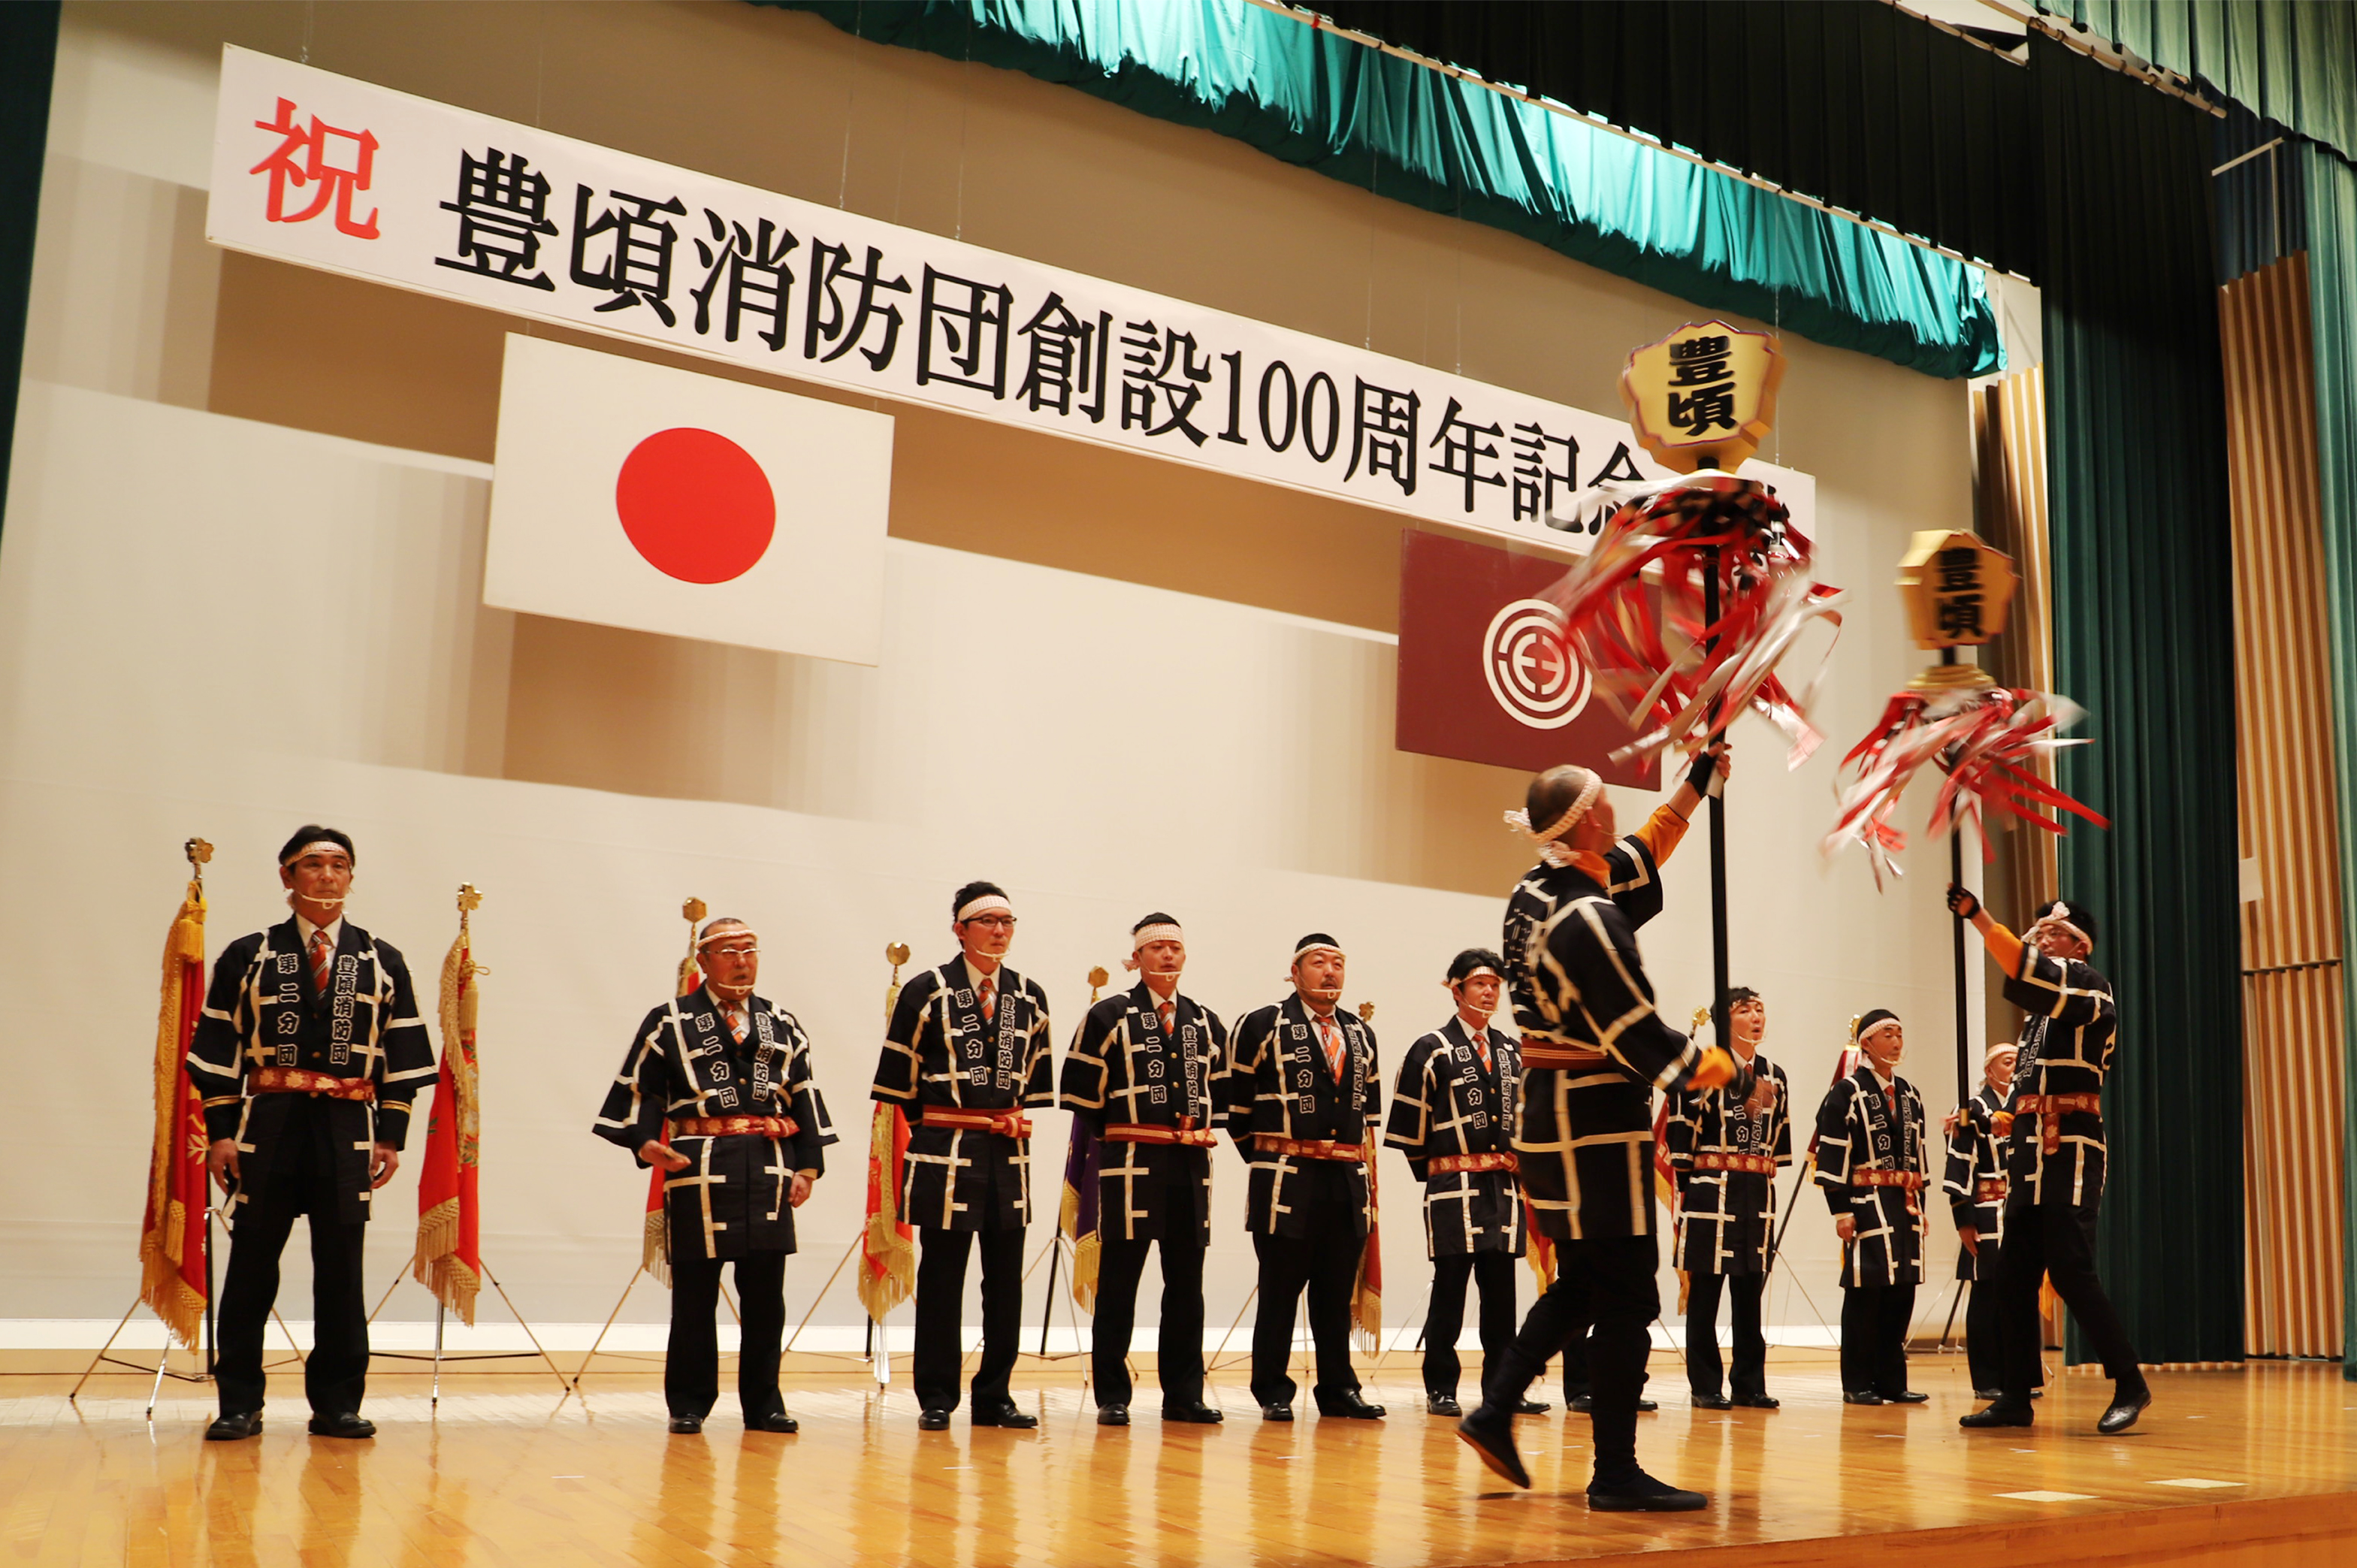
{"type": "Point", "coordinates": [1414, 134]}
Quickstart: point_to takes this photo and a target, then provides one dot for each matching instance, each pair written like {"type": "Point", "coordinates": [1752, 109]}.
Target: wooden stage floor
{"type": "Point", "coordinates": [2258, 1467]}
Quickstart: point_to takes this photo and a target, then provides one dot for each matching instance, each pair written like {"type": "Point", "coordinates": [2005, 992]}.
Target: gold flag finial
{"type": "Point", "coordinates": [896, 955]}
{"type": "Point", "coordinates": [1366, 1012]}
{"type": "Point", "coordinates": [1701, 1016]}
{"type": "Point", "coordinates": [693, 911]}
{"type": "Point", "coordinates": [469, 899]}
{"type": "Point", "coordinates": [1097, 977]}
{"type": "Point", "coordinates": [198, 852]}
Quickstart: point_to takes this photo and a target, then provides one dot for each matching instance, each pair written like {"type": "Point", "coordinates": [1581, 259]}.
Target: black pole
{"type": "Point", "coordinates": [1055, 1256]}
{"type": "Point", "coordinates": [1957, 876]}
{"type": "Point", "coordinates": [1717, 836]}
{"type": "Point", "coordinates": [211, 1332]}
{"type": "Point", "coordinates": [1776, 1241]}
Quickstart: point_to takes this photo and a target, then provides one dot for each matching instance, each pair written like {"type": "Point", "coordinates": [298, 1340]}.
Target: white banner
{"type": "Point", "coordinates": [327, 172]}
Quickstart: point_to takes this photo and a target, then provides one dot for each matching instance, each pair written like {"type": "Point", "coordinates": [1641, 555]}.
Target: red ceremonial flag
{"type": "Point", "coordinates": [655, 1245]}
{"type": "Point", "coordinates": [173, 1235]}
{"type": "Point", "coordinates": [449, 1261]}
{"type": "Point", "coordinates": [1483, 672]}
{"type": "Point", "coordinates": [1367, 1291]}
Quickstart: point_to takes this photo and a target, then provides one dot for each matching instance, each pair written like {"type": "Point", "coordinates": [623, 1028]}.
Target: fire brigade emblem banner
{"type": "Point", "coordinates": [323, 171]}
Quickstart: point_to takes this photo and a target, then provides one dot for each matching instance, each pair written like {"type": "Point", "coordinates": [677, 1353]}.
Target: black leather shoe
{"type": "Point", "coordinates": [780, 1421]}
{"type": "Point", "coordinates": [1584, 1405]}
{"type": "Point", "coordinates": [1007, 1415]}
{"type": "Point", "coordinates": [1997, 1414]}
{"type": "Point", "coordinates": [234, 1428]}
{"type": "Point", "coordinates": [1349, 1407]}
{"type": "Point", "coordinates": [686, 1426]}
{"type": "Point", "coordinates": [932, 1420]}
{"type": "Point", "coordinates": [1491, 1434]}
{"type": "Point", "coordinates": [1276, 1410]}
{"type": "Point", "coordinates": [1441, 1404]}
{"type": "Point", "coordinates": [1644, 1495]}
{"type": "Point", "coordinates": [1762, 1401]}
{"type": "Point", "coordinates": [1713, 1402]}
{"type": "Point", "coordinates": [1532, 1407]}
{"type": "Point", "coordinates": [344, 1423]}
{"type": "Point", "coordinates": [1859, 1396]}
{"type": "Point", "coordinates": [1199, 1414]}
{"type": "Point", "coordinates": [1646, 1407]}
{"type": "Point", "coordinates": [1112, 1415]}
{"type": "Point", "coordinates": [2126, 1406]}
{"type": "Point", "coordinates": [1907, 1396]}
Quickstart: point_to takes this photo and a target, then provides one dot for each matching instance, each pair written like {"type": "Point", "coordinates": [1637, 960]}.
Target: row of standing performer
{"type": "Point", "coordinates": [310, 1051]}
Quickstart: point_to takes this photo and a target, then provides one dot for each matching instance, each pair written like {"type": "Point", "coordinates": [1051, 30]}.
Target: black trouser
{"type": "Point", "coordinates": [941, 1312]}
{"type": "Point", "coordinates": [1179, 1349]}
{"type": "Point", "coordinates": [691, 1364]}
{"type": "Point", "coordinates": [1325, 1261]}
{"type": "Point", "coordinates": [1749, 1380]}
{"type": "Point", "coordinates": [1874, 1337]}
{"type": "Point", "coordinates": [1493, 1273]}
{"type": "Point", "coordinates": [2055, 1240]}
{"type": "Point", "coordinates": [1985, 1326]}
{"type": "Point", "coordinates": [302, 1180]}
{"type": "Point", "coordinates": [1609, 1282]}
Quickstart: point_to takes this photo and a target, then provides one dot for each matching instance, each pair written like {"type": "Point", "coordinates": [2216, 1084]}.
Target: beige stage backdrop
{"type": "Point", "coordinates": [239, 589]}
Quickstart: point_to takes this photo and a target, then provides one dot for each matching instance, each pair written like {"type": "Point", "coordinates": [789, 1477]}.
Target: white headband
{"type": "Point", "coordinates": [1165, 931]}
{"type": "Point", "coordinates": [1308, 948]}
{"type": "Point", "coordinates": [1876, 1027]}
{"type": "Point", "coordinates": [319, 846]}
{"type": "Point", "coordinates": [1476, 971]}
{"type": "Point", "coordinates": [983, 904]}
{"type": "Point", "coordinates": [2059, 924]}
{"type": "Point", "coordinates": [738, 929]}
{"type": "Point", "coordinates": [1546, 838]}
{"type": "Point", "coordinates": [1996, 1051]}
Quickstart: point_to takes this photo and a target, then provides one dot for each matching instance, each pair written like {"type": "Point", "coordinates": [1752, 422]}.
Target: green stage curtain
{"type": "Point", "coordinates": [2331, 192]}
{"type": "Point", "coordinates": [28, 53]}
{"type": "Point", "coordinates": [2144, 615]}
{"type": "Point", "coordinates": [1416, 135]}
{"type": "Point", "coordinates": [2292, 60]}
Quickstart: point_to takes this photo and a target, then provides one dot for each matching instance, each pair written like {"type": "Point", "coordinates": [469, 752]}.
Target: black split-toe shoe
{"type": "Point", "coordinates": [234, 1428]}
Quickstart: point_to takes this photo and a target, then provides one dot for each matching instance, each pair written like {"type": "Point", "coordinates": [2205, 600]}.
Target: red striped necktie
{"type": "Point", "coordinates": [323, 958]}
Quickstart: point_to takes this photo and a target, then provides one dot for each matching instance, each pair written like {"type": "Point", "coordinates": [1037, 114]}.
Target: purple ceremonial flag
{"type": "Point", "coordinates": [1080, 1209]}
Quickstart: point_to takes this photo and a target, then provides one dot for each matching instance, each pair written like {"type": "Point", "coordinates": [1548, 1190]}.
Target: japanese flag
{"type": "Point", "coordinates": [638, 496]}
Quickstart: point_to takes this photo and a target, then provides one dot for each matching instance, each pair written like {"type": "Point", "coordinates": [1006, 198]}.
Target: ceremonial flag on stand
{"type": "Point", "coordinates": [1665, 1182]}
{"type": "Point", "coordinates": [1367, 1290]}
{"type": "Point", "coordinates": [1080, 1218]}
{"type": "Point", "coordinates": [654, 1248]}
{"type": "Point", "coordinates": [1540, 1251]}
{"type": "Point", "coordinates": [173, 1235]}
{"type": "Point", "coordinates": [449, 1260]}
{"type": "Point", "coordinates": [887, 1246]}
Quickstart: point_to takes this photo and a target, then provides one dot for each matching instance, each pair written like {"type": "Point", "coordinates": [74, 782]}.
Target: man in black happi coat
{"type": "Point", "coordinates": [307, 1056]}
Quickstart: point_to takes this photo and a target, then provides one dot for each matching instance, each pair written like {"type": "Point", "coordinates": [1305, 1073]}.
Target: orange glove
{"type": "Point", "coordinates": [1716, 1070]}
{"type": "Point", "coordinates": [2001, 1123]}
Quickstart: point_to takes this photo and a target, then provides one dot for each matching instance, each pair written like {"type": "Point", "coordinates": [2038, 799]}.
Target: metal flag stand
{"type": "Point", "coordinates": [437, 1356]}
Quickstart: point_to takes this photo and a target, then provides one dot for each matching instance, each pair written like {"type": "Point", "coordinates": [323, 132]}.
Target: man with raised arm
{"type": "Point", "coordinates": [2052, 1125]}
{"type": "Point", "coordinates": [306, 1058]}
{"type": "Point", "coordinates": [1143, 1072]}
{"type": "Point", "coordinates": [1594, 1049]}
{"type": "Point", "coordinates": [717, 1089]}
{"type": "Point", "coordinates": [968, 1051]}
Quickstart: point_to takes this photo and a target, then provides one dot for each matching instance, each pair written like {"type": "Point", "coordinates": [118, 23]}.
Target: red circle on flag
{"type": "Point", "coordinates": [695, 505]}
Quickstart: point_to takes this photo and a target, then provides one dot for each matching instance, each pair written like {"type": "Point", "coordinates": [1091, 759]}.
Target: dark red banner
{"type": "Point", "coordinates": [1483, 678]}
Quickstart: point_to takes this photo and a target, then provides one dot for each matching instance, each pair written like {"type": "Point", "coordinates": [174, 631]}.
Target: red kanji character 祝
{"type": "Point", "coordinates": [336, 161]}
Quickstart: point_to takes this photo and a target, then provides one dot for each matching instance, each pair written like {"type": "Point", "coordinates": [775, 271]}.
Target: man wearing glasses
{"type": "Point", "coordinates": [968, 1053]}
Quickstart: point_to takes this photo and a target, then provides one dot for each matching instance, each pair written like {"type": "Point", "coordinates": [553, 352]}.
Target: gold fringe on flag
{"type": "Point", "coordinates": [165, 1240]}
{"type": "Point", "coordinates": [654, 1233]}
{"type": "Point", "coordinates": [1367, 1290]}
{"type": "Point", "coordinates": [888, 1263]}
{"type": "Point", "coordinates": [440, 1264]}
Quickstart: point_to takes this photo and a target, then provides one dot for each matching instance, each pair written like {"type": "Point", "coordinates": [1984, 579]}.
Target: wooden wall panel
{"type": "Point", "coordinates": [2292, 1000]}
{"type": "Point", "coordinates": [2009, 425]}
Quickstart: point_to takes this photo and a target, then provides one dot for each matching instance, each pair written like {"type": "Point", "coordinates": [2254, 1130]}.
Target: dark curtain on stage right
{"type": "Point", "coordinates": [2144, 615]}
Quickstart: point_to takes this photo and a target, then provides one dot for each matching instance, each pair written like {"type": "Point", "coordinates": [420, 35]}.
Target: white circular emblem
{"type": "Point", "coordinates": [1531, 672]}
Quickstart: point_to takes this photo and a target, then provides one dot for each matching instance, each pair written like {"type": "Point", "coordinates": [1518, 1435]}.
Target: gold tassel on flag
{"type": "Point", "coordinates": [1080, 1218]}
{"type": "Point", "coordinates": [1367, 1289]}
{"type": "Point", "coordinates": [449, 1261]}
{"type": "Point", "coordinates": [887, 1247]}
{"type": "Point", "coordinates": [172, 1239]}
{"type": "Point", "coordinates": [654, 1244]}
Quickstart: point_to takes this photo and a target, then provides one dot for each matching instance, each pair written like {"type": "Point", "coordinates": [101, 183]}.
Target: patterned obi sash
{"type": "Point", "coordinates": [1912, 1181]}
{"type": "Point", "coordinates": [733, 1127]}
{"type": "Point", "coordinates": [1005, 1124]}
{"type": "Point", "coordinates": [1989, 1189]}
{"type": "Point", "coordinates": [1310, 1149]}
{"type": "Point", "coordinates": [2051, 1107]}
{"type": "Point", "coordinates": [1450, 1165]}
{"type": "Point", "coordinates": [1186, 1132]}
{"type": "Point", "coordinates": [1758, 1164]}
{"type": "Point", "coordinates": [1560, 1054]}
{"type": "Point", "coordinates": [303, 1080]}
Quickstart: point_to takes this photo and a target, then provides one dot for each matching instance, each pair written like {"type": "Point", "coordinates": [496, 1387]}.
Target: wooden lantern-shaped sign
{"type": "Point", "coordinates": [1957, 587]}
{"type": "Point", "coordinates": [1704, 396]}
